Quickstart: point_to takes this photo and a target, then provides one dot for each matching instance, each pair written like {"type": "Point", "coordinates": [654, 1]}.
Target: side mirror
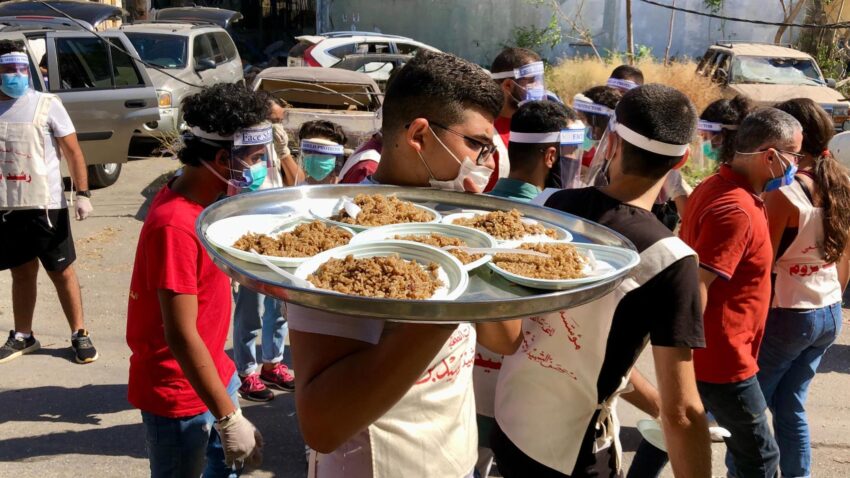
{"type": "Point", "coordinates": [830, 82]}
{"type": "Point", "coordinates": [204, 64]}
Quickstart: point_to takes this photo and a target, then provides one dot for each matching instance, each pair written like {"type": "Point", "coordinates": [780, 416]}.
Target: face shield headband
{"type": "Point", "coordinates": [624, 85]}
{"type": "Point", "coordinates": [535, 89]}
{"type": "Point", "coordinates": [321, 157]}
{"type": "Point", "coordinates": [566, 173]}
{"type": "Point", "coordinates": [246, 147]}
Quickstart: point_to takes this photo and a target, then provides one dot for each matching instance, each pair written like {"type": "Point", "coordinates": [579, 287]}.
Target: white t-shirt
{"type": "Point", "coordinates": [59, 125]}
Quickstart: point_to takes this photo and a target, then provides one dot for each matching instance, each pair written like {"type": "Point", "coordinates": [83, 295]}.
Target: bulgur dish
{"type": "Point", "coordinates": [565, 262]}
{"type": "Point", "coordinates": [386, 277]}
{"type": "Point", "coordinates": [440, 241]}
{"type": "Point", "coordinates": [505, 225]}
{"type": "Point", "coordinates": [306, 240]}
{"type": "Point", "coordinates": [380, 210]}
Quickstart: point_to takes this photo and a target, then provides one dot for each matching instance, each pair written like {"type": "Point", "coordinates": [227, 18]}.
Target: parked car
{"type": "Point", "coordinates": [770, 74]}
{"type": "Point", "coordinates": [327, 49]}
{"type": "Point", "coordinates": [379, 66]}
{"type": "Point", "coordinates": [347, 98]}
{"type": "Point", "coordinates": [192, 45]}
{"type": "Point", "coordinates": [107, 93]}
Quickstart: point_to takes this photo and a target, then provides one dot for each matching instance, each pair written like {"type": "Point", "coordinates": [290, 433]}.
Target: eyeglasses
{"type": "Point", "coordinates": [485, 150]}
{"type": "Point", "coordinates": [796, 157]}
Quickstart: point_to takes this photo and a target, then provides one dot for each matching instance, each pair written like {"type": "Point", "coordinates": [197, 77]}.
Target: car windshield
{"type": "Point", "coordinates": [165, 51]}
{"type": "Point", "coordinates": [775, 71]}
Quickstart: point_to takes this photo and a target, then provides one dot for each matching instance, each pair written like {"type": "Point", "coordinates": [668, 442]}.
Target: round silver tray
{"type": "Point", "coordinates": [488, 297]}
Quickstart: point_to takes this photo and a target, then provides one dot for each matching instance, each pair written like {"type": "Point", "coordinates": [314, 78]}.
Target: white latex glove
{"type": "Point", "coordinates": [83, 207]}
{"type": "Point", "coordinates": [241, 441]}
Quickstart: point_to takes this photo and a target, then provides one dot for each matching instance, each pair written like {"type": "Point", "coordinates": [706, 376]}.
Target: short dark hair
{"type": "Point", "coordinates": [766, 127]}
{"type": "Point", "coordinates": [439, 87]}
{"type": "Point", "coordinates": [322, 129]}
{"type": "Point", "coordinates": [660, 113]}
{"type": "Point", "coordinates": [222, 109]}
{"type": "Point", "coordinates": [536, 117]}
{"type": "Point", "coordinates": [511, 58]}
{"type": "Point", "coordinates": [604, 95]}
{"type": "Point", "coordinates": [729, 112]}
{"type": "Point", "coordinates": [628, 72]}
{"type": "Point", "coordinates": [9, 46]}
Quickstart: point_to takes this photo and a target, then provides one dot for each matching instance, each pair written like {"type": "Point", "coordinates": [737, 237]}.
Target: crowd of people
{"type": "Point", "coordinates": [739, 289]}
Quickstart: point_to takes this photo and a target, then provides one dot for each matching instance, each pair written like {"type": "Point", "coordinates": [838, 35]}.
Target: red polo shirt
{"type": "Point", "coordinates": [726, 224]}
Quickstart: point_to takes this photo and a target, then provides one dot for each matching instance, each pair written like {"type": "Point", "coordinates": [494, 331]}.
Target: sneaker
{"type": "Point", "coordinates": [254, 389]}
{"type": "Point", "coordinates": [84, 351]}
{"type": "Point", "coordinates": [279, 377]}
{"type": "Point", "coordinates": [14, 348]}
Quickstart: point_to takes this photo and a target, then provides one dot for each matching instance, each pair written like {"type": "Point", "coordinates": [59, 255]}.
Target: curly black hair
{"type": "Point", "coordinates": [604, 95]}
{"type": "Point", "coordinates": [660, 113]}
{"type": "Point", "coordinates": [222, 109]}
{"type": "Point", "coordinates": [537, 117]}
{"type": "Point", "coordinates": [440, 87]}
{"type": "Point", "coordinates": [322, 129]}
{"type": "Point", "coordinates": [9, 46]}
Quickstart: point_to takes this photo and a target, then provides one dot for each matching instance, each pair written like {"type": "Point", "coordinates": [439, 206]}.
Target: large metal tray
{"type": "Point", "coordinates": [488, 297]}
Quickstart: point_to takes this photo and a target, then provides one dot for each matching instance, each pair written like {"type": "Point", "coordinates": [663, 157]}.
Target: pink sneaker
{"type": "Point", "coordinates": [279, 377]}
{"type": "Point", "coordinates": [254, 389]}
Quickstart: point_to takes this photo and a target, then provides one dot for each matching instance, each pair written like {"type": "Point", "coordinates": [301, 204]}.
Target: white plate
{"type": "Point", "coordinates": [651, 431]}
{"type": "Point", "coordinates": [450, 272]}
{"type": "Point", "coordinates": [562, 234]}
{"type": "Point", "coordinates": [326, 210]}
{"type": "Point", "coordinates": [225, 232]}
{"type": "Point", "coordinates": [612, 259]}
{"type": "Point", "coordinates": [472, 237]}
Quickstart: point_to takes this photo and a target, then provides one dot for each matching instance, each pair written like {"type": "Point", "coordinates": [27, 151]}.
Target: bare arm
{"type": "Point", "coordinates": [501, 337]}
{"type": "Point", "coordinates": [645, 396]}
{"type": "Point", "coordinates": [681, 204]}
{"type": "Point", "coordinates": [706, 277]}
{"type": "Point", "coordinates": [843, 265]}
{"type": "Point", "coordinates": [779, 211]}
{"type": "Point", "coordinates": [682, 414]}
{"type": "Point", "coordinates": [291, 171]}
{"type": "Point", "coordinates": [345, 385]}
{"type": "Point", "coordinates": [180, 317]}
{"type": "Point", "coordinates": [72, 153]}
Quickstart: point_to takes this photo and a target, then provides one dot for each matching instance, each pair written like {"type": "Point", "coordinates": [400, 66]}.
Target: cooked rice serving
{"type": "Point", "coordinates": [505, 225]}
{"type": "Point", "coordinates": [439, 240]}
{"type": "Point", "coordinates": [389, 277]}
{"type": "Point", "coordinates": [565, 261]}
{"type": "Point", "coordinates": [380, 210]}
{"type": "Point", "coordinates": [306, 240]}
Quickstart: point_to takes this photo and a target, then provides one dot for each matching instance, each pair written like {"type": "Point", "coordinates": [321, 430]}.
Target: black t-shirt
{"type": "Point", "coordinates": [666, 309]}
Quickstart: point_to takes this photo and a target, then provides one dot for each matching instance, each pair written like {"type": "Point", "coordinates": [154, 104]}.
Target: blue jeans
{"type": "Point", "coordinates": [255, 312]}
{"type": "Point", "coordinates": [740, 408]}
{"type": "Point", "coordinates": [178, 447]}
{"type": "Point", "coordinates": [794, 342]}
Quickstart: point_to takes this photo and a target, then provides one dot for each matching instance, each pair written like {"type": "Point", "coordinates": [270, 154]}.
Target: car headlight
{"type": "Point", "coordinates": [163, 98]}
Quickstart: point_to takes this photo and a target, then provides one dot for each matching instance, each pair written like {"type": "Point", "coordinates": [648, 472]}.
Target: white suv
{"type": "Point", "coordinates": [327, 49]}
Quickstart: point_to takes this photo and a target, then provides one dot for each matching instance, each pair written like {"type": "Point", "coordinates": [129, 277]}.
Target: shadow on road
{"type": "Point", "coordinates": [120, 440]}
{"type": "Point", "coordinates": [283, 453]}
{"type": "Point", "coordinates": [60, 404]}
{"type": "Point", "coordinates": [836, 359]}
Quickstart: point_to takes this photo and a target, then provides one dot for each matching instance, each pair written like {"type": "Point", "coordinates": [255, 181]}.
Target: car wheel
{"type": "Point", "coordinates": [103, 175]}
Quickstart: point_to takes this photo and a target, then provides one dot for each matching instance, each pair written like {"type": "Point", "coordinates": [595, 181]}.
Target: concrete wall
{"type": "Point", "coordinates": [478, 29]}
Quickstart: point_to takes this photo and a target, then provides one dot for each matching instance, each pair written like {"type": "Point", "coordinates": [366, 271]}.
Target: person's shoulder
{"type": "Point", "coordinates": [566, 198]}
{"type": "Point", "coordinates": [169, 209]}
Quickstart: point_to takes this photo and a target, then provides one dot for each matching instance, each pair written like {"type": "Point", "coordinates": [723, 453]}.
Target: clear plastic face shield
{"type": "Point", "coordinates": [250, 156]}
{"type": "Point", "coordinates": [15, 74]}
{"type": "Point", "coordinates": [711, 142]}
{"type": "Point", "coordinates": [622, 85]}
{"type": "Point", "coordinates": [528, 81]}
{"type": "Point", "coordinates": [322, 160]}
{"type": "Point", "coordinates": [597, 117]}
{"type": "Point", "coordinates": [564, 174]}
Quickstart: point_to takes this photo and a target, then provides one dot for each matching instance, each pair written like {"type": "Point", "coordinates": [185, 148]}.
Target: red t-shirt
{"type": "Point", "coordinates": [726, 224]}
{"type": "Point", "coordinates": [503, 129]}
{"type": "Point", "coordinates": [169, 256]}
{"type": "Point", "coordinates": [366, 167]}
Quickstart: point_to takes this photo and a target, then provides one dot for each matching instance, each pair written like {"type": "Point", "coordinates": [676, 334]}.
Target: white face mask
{"type": "Point", "coordinates": [480, 175]}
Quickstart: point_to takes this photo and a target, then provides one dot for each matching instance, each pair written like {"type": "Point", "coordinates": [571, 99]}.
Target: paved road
{"type": "Point", "coordinates": [60, 419]}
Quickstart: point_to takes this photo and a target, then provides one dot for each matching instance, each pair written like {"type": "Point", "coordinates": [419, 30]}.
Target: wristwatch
{"type": "Point", "coordinates": [85, 194]}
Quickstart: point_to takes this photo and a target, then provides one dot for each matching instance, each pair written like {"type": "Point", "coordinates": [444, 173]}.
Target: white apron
{"type": "Point", "coordinates": [430, 432]}
{"type": "Point", "coordinates": [23, 165]}
{"type": "Point", "coordinates": [546, 395]}
{"type": "Point", "coordinates": [504, 161]}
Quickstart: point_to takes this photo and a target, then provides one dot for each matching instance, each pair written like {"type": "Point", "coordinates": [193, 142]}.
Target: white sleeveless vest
{"type": "Point", "coordinates": [23, 167]}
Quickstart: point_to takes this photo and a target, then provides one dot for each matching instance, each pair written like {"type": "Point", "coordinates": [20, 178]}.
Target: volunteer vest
{"type": "Point", "coordinates": [803, 279]}
{"type": "Point", "coordinates": [429, 433]}
{"type": "Point", "coordinates": [546, 395]}
{"type": "Point", "coordinates": [24, 182]}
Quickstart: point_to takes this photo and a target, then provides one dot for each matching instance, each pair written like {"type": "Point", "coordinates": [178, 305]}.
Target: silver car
{"type": "Point", "coordinates": [194, 51]}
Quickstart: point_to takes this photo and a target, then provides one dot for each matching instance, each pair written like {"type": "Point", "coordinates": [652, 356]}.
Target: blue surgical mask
{"type": "Point", "coordinates": [15, 85]}
{"type": "Point", "coordinates": [255, 176]}
{"type": "Point", "coordinates": [785, 180]}
{"type": "Point", "coordinates": [319, 166]}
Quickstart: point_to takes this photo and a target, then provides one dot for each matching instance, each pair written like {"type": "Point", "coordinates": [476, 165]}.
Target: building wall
{"type": "Point", "coordinates": [478, 29]}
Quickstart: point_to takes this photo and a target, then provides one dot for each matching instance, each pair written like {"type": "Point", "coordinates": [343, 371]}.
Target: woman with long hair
{"type": "Point", "coordinates": [809, 227]}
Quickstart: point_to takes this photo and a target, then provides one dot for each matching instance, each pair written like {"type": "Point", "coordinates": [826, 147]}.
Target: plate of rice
{"type": "Point", "coordinates": [373, 210]}
{"type": "Point", "coordinates": [437, 235]}
{"type": "Point", "coordinates": [510, 228]}
{"type": "Point", "coordinates": [285, 241]}
{"type": "Point", "coordinates": [568, 265]}
{"type": "Point", "coordinates": [398, 270]}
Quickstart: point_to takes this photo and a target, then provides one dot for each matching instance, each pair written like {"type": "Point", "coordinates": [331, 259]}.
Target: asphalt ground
{"type": "Point", "coordinates": [61, 419]}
